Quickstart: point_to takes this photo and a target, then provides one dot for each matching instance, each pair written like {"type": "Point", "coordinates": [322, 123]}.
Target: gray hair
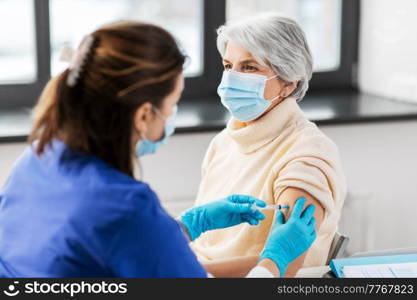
{"type": "Point", "coordinates": [275, 40]}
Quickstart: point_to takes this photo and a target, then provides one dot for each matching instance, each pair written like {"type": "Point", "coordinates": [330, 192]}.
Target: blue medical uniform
{"type": "Point", "coordinates": [65, 214]}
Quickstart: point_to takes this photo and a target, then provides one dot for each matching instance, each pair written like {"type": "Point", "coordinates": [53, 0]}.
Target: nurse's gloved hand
{"type": "Point", "coordinates": [223, 213]}
{"type": "Point", "coordinates": [289, 240]}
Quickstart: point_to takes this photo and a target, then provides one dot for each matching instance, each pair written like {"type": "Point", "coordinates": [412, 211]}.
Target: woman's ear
{"type": "Point", "coordinates": [142, 117]}
{"type": "Point", "coordinates": [288, 89]}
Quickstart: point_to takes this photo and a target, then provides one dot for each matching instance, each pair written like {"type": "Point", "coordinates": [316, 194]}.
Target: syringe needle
{"type": "Point", "coordinates": [270, 207]}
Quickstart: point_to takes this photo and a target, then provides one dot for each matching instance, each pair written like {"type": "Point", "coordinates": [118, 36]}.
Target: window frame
{"type": "Point", "coordinates": [25, 94]}
{"type": "Point", "coordinates": [201, 87]}
{"type": "Point", "coordinates": [345, 76]}
{"type": "Point", "coordinates": [205, 85]}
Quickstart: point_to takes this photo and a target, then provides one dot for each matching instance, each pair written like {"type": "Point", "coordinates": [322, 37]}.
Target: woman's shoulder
{"type": "Point", "coordinates": [308, 136]}
{"type": "Point", "coordinates": [219, 139]}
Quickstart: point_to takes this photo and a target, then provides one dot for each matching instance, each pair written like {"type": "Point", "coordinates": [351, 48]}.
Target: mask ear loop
{"type": "Point", "coordinates": [165, 118]}
{"type": "Point", "coordinates": [272, 77]}
{"type": "Point", "coordinates": [277, 97]}
{"type": "Point", "coordinates": [160, 115]}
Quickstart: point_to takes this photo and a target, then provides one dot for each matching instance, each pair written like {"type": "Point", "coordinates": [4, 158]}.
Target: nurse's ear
{"type": "Point", "coordinates": [143, 117]}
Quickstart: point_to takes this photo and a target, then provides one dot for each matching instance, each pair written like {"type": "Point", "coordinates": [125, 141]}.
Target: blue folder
{"type": "Point", "coordinates": [337, 264]}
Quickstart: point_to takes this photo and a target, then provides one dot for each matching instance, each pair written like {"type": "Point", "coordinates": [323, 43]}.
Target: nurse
{"type": "Point", "coordinates": [72, 207]}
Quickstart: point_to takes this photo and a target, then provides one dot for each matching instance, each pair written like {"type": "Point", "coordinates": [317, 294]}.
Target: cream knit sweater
{"type": "Point", "coordinates": [282, 149]}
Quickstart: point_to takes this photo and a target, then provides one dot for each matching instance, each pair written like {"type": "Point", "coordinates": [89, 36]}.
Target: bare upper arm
{"type": "Point", "coordinates": [288, 197]}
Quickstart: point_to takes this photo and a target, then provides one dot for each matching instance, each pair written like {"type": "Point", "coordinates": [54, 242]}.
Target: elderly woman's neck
{"type": "Point", "coordinates": [275, 104]}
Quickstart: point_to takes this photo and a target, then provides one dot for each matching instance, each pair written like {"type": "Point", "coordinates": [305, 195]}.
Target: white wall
{"type": "Point", "coordinates": [8, 155]}
{"type": "Point", "coordinates": [380, 164]}
{"type": "Point", "coordinates": [388, 47]}
{"type": "Point", "coordinates": [380, 161]}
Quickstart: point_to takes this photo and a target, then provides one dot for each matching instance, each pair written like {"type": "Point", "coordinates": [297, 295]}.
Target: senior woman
{"type": "Point", "coordinates": [268, 149]}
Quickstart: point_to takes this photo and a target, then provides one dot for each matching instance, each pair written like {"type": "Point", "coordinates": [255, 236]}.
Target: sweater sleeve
{"type": "Point", "coordinates": [315, 168]}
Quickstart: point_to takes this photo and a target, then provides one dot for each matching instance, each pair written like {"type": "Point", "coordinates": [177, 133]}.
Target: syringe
{"type": "Point", "coordinates": [270, 207]}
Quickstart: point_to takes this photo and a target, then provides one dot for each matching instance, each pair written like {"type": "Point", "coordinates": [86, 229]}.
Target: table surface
{"type": "Point", "coordinates": [329, 108]}
{"type": "Point", "coordinates": [312, 272]}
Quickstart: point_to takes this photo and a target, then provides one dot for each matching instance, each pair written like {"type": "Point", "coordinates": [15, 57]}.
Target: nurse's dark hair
{"type": "Point", "coordinates": [130, 63]}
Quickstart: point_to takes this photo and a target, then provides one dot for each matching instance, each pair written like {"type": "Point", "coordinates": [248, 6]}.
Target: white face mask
{"type": "Point", "coordinates": [145, 146]}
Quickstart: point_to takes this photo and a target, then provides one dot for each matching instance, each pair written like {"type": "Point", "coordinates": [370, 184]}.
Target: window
{"type": "Point", "coordinates": [17, 42]}
{"type": "Point", "coordinates": [323, 33]}
{"type": "Point", "coordinates": [185, 24]}
{"type": "Point", "coordinates": [331, 27]}
{"type": "Point", "coordinates": [34, 32]}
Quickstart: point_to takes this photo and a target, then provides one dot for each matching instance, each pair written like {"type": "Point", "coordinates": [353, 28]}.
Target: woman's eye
{"type": "Point", "coordinates": [227, 67]}
{"type": "Point", "coordinates": [250, 68]}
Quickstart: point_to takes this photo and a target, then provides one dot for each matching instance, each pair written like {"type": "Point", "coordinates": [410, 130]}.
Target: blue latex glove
{"type": "Point", "coordinates": [223, 213]}
{"type": "Point", "coordinates": [287, 241]}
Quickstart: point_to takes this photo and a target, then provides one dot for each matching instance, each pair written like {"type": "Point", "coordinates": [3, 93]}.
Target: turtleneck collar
{"type": "Point", "coordinates": [256, 134]}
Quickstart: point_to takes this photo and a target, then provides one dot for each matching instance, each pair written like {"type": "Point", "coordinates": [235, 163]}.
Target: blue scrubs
{"type": "Point", "coordinates": [65, 214]}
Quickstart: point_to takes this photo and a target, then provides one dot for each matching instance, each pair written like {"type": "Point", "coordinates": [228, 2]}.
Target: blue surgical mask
{"type": "Point", "coordinates": [145, 146]}
{"type": "Point", "coordinates": [243, 94]}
